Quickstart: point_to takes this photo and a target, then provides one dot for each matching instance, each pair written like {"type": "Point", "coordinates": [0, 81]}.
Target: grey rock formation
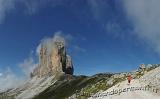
{"type": "Point", "coordinates": [53, 60]}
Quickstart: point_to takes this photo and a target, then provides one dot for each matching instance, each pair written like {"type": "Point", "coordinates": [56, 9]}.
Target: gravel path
{"type": "Point", "coordinates": [123, 90]}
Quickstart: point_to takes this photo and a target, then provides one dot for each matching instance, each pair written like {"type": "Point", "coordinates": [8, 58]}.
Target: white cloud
{"type": "Point", "coordinates": [106, 15]}
{"type": "Point", "coordinates": [58, 36]}
{"type": "Point", "coordinates": [9, 80]}
{"type": "Point", "coordinates": [28, 65]}
{"type": "Point", "coordinates": [145, 16]}
{"type": "Point", "coordinates": [98, 8]}
{"type": "Point", "coordinates": [77, 48]}
{"type": "Point", "coordinates": [114, 29]}
{"type": "Point", "coordinates": [30, 6]}
{"type": "Point", "coordinates": [50, 41]}
{"type": "Point", "coordinates": [5, 7]}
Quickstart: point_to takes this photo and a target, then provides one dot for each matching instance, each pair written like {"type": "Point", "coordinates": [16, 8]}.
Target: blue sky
{"type": "Point", "coordinates": [103, 35]}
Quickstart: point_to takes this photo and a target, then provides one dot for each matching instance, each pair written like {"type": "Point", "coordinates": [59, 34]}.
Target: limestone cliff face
{"type": "Point", "coordinates": [52, 60]}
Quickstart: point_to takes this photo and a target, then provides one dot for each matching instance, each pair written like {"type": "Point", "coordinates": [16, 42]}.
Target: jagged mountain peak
{"type": "Point", "coordinates": [53, 58]}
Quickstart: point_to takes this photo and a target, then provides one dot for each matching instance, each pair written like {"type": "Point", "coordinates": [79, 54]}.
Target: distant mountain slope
{"type": "Point", "coordinates": [83, 87]}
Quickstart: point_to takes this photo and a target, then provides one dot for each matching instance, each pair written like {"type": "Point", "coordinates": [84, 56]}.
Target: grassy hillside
{"type": "Point", "coordinates": [64, 89]}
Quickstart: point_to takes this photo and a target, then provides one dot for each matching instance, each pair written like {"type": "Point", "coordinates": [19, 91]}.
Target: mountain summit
{"type": "Point", "coordinates": [53, 59]}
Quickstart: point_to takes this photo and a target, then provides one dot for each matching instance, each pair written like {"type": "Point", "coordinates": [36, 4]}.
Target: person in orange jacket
{"type": "Point", "coordinates": [129, 78]}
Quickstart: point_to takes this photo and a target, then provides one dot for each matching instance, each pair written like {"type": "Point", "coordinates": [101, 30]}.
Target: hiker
{"type": "Point", "coordinates": [129, 78]}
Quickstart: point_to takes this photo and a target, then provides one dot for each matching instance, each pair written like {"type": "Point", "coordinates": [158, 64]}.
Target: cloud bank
{"type": "Point", "coordinates": [29, 6]}
{"type": "Point", "coordinates": [145, 16]}
{"type": "Point", "coordinates": [5, 7]}
{"type": "Point", "coordinates": [27, 66]}
{"type": "Point", "coordinates": [8, 79]}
